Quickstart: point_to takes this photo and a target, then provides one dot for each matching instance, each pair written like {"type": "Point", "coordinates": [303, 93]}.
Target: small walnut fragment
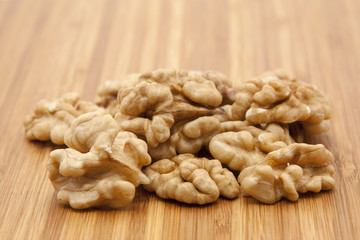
{"type": "Point", "coordinates": [275, 97]}
{"type": "Point", "coordinates": [51, 119]}
{"type": "Point", "coordinates": [287, 171]}
{"type": "Point", "coordinates": [189, 179]}
{"type": "Point", "coordinates": [92, 179]}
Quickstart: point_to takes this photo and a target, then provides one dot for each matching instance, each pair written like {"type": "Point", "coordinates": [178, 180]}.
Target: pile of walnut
{"type": "Point", "coordinates": [149, 129]}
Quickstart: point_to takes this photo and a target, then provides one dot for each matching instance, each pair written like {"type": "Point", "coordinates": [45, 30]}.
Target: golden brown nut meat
{"type": "Point", "coordinates": [51, 119]}
{"type": "Point", "coordinates": [187, 137]}
{"type": "Point", "coordinates": [191, 180]}
{"type": "Point", "coordinates": [181, 112]}
{"type": "Point", "coordinates": [108, 91]}
{"type": "Point", "coordinates": [156, 130]}
{"type": "Point", "coordinates": [144, 98]}
{"type": "Point", "coordinates": [287, 171]}
{"type": "Point", "coordinates": [92, 131]}
{"type": "Point", "coordinates": [91, 179]}
{"type": "Point", "coordinates": [204, 92]}
{"type": "Point", "coordinates": [166, 97]}
{"type": "Point", "coordinates": [249, 145]}
{"type": "Point", "coordinates": [274, 97]}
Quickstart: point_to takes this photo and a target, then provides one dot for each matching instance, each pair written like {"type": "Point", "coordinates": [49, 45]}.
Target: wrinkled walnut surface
{"type": "Point", "coordinates": [187, 137]}
{"type": "Point", "coordinates": [288, 171]}
{"type": "Point", "coordinates": [189, 179]}
{"type": "Point", "coordinates": [90, 179]}
{"type": "Point", "coordinates": [275, 97]}
{"type": "Point", "coordinates": [102, 167]}
{"type": "Point", "coordinates": [108, 91]}
{"type": "Point", "coordinates": [171, 115]}
{"type": "Point", "coordinates": [51, 119]}
{"type": "Point", "coordinates": [165, 97]}
{"type": "Point", "coordinates": [249, 145]}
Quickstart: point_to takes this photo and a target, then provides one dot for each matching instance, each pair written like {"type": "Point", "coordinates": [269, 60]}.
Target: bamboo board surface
{"type": "Point", "coordinates": [48, 48]}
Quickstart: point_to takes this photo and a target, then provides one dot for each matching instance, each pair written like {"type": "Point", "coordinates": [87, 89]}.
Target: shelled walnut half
{"type": "Point", "coordinates": [51, 119]}
{"type": "Point", "coordinates": [189, 179]}
{"type": "Point", "coordinates": [102, 168]}
{"type": "Point", "coordinates": [246, 145]}
{"type": "Point", "coordinates": [276, 97]}
{"type": "Point", "coordinates": [297, 168]}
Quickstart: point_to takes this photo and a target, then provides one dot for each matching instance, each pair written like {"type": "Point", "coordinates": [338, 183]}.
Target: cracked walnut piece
{"type": "Point", "coordinates": [164, 97]}
{"type": "Point", "coordinates": [51, 119]}
{"type": "Point", "coordinates": [189, 179]}
{"type": "Point", "coordinates": [203, 87]}
{"type": "Point", "coordinates": [90, 131]}
{"type": "Point", "coordinates": [108, 91]}
{"type": "Point", "coordinates": [249, 145]}
{"type": "Point", "coordinates": [187, 137]}
{"type": "Point", "coordinates": [274, 97]}
{"type": "Point", "coordinates": [90, 179]}
{"type": "Point", "coordinates": [102, 167]}
{"type": "Point", "coordinates": [296, 168]}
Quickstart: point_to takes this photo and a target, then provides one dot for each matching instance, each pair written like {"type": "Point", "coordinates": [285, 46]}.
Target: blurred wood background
{"type": "Point", "coordinates": [48, 48]}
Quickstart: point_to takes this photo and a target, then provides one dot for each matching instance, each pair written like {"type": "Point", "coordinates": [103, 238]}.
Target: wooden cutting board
{"type": "Point", "coordinates": [48, 48]}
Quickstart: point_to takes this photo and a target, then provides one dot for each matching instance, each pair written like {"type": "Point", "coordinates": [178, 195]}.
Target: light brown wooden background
{"type": "Point", "coordinates": [48, 48]}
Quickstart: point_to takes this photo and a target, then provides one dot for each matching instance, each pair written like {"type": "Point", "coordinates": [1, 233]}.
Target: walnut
{"type": "Point", "coordinates": [243, 101]}
{"type": "Point", "coordinates": [236, 149]}
{"type": "Point", "coordinates": [223, 113]}
{"type": "Point", "coordinates": [249, 145]}
{"type": "Point", "coordinates": [233, 126]}
{"type": "Point", "coordinates": [223, 85]}
{"type": "Point", "coordinates": [205, 90]}
{"type": "Point", "coordinates": [274, 97]}
{"type": "Point", "coordinates": [145, 98]}
{"type": "Point", "coordinates": [187, 137]}
{"type": "Point", "coordinates": [155, 131]}
{"type": "Point", "coordinates": [189, 179]}
{"type": "Point", "coordinates": [166, 97]}
{"type": "Point", "coordinates": [295, 168]}
{"type": "Point", "coordinates": [108, 91]}
{"type": "Point", "coordinates": [91, 179]}
{"type": "Point", "coordinates": [169, 115]}
{"type": "Point", "coordinates": [182, 109]}
{"type": "Point", "coordinates": [158, 129]}
{"type": "Point", "coordinates": [51, 119]}
{"type": "Point", "coordinates": [90, 131]}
